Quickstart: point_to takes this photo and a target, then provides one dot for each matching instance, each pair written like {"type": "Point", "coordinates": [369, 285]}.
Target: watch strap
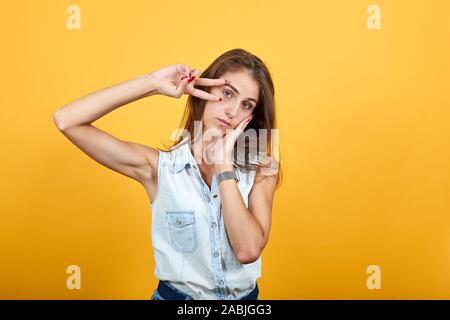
{"type": "Point", "coordinates": [226, 175]}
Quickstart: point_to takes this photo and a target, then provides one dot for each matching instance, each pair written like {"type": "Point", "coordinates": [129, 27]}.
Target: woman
{"type": "Point", "coordinates": [211, 210]}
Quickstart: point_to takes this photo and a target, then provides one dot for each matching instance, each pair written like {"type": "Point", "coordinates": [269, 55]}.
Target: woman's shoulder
{"type": "Point", "coordinates": [173, 157]}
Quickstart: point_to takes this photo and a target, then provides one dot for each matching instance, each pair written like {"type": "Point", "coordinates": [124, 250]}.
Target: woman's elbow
{"type": "Point", "coordinates": [248, 257]}
{"type": "Point", "coordinates": [57, 120]}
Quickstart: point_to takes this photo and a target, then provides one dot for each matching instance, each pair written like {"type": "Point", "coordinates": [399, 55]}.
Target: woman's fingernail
{"type": "Point", "coordinates": [191, 79]}
{"type": "Point", "coordinates": [220, 99]}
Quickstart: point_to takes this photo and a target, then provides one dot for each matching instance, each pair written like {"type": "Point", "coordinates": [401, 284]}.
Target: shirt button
{"type": "Point", "coordinates": [213, 224]}
{"type": "Point", "coordinates": [215, 196]}
{"type": "Point", "coordinates": [216, 254]}
{"type": "Point", "coordinates": [221, 282]}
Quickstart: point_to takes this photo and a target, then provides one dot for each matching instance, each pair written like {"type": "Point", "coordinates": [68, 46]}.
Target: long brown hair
{"type": "Point", "coordinates": [264, 113]}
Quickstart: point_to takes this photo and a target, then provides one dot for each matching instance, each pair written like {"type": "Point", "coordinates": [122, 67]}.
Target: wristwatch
{"type": "Point", "coordinates": [226, 175]}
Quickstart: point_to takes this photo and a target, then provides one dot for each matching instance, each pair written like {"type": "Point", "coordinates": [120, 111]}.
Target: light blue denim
{"type": "Point", "coordinates": [191, 246]}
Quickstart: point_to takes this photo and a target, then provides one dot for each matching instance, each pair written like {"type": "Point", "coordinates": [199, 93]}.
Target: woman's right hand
{"type": "Point", "coordinates": [179, 79]}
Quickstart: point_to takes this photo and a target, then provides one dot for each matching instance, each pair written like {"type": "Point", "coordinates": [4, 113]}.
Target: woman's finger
{"type": "Point", "coordinates": [186, 80]}
{"type": "Point", "coordinates": [196, 73]}
{"type": "Point", "coordinates": [241, 126]}
{"type": "Point", "coordinates": [202, 94]}
{"type": "Point", "coordinates": [192, 75]}
{"type": "Point", "coordinates": [183, 69]}
{"type": "Point", "coordinates": [182, 87]}
{"type": "Point", "coordinates": [210, 82]}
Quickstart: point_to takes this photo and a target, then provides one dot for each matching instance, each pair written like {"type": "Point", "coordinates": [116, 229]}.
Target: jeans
{"type": "Point", "coordinates": [166, 291]}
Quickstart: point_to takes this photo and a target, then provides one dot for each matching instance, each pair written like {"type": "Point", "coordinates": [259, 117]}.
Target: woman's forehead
{"type": "Point", "coordinates": [242, 83]}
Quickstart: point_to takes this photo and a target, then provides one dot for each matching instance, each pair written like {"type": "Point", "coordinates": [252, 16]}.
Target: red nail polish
{"type": "Point", "coordinates": [191, 79]}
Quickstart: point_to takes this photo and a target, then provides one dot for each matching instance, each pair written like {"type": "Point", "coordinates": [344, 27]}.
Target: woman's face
{"type": "Point", "coordinates": [239, 99]}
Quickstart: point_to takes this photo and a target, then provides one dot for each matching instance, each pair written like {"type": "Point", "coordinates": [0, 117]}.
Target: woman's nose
{"type": "Point", "coordinates": [232, 109]}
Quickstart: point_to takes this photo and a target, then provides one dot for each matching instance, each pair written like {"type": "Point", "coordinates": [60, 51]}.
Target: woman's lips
{"type": "Point", "coordinates": [223, 123]}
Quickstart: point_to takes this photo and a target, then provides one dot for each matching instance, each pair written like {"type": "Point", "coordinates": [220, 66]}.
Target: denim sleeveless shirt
{"type": "Point", "coordinates": [191, 246]}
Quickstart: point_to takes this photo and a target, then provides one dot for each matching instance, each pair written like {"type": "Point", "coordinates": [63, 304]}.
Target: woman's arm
{"type": "Point", "coordinates": [95, 105]}
{"type": "Point", "coordinates": [134, 160]}
{"type": "Point", "coordinates": [74, 121]}
{"type": "Point", "coordinates": [248, 229]}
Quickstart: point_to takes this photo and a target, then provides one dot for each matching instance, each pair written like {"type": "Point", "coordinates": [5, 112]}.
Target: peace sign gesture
{"type": "Point", "coordinates": [179, 79]}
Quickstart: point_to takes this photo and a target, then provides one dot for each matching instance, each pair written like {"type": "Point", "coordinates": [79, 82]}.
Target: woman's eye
{"type": "Point", "coordinates": [226, 91]}
{"type": "Point", "coordinates": [246, 105]}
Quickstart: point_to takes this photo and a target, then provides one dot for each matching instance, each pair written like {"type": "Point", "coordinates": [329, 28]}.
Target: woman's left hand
{"type": "Point", "coordinates": [220, 151]}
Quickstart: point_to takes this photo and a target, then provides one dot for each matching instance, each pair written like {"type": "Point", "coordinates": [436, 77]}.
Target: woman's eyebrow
{"type": "Point", "coordinates": [237, 91]}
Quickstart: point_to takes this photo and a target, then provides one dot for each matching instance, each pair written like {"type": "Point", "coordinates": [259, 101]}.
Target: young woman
{"type": "Point", "coordinates": [211, 195]}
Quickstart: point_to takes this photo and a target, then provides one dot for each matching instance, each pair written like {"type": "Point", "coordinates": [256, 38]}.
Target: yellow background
{"type": "Point", "coordinates": [364, 127]}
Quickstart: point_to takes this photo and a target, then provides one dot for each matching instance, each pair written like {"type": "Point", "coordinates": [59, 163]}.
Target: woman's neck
{"type": "Point", "coordinates": [198, 147]}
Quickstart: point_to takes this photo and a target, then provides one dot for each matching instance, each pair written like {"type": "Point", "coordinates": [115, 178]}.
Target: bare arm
{"type": "Point", "coordinates": [248, 228]}
{"type": "Point", "coordinates": [128, 158]}
{"type": "Point", "coordinates": [74, 121]}
{"type": "Point", "coordinates": [95, 105]}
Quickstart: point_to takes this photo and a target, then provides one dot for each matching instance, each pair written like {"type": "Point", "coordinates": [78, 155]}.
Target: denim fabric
{"type": "Point", "coordinates": [166, 291]}
{"type": "Point", "coordinates": [191, 247]}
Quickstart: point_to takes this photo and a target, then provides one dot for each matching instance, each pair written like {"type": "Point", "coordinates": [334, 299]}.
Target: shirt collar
{"type": "Point", "coordinates": [184, 157]}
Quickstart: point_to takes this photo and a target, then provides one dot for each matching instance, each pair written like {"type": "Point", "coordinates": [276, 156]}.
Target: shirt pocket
{"type": "Point", "coordinates": [182, 231]}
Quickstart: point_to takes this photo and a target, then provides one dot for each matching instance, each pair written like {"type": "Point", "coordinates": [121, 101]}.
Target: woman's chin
{"type": "Point", "coordinates": [217, 130]}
